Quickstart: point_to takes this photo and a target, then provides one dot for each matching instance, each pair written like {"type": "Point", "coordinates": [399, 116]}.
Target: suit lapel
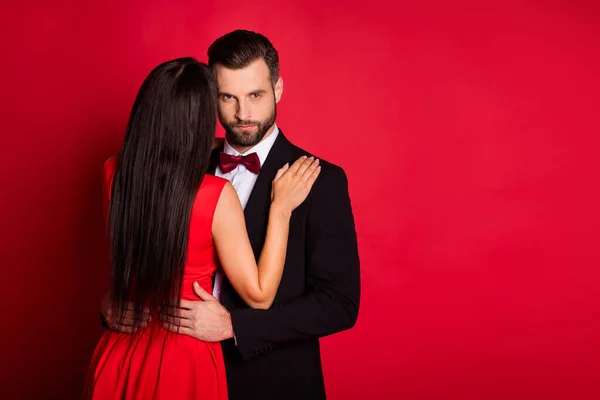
{"type": "Point", "coordinates": [213, 163]}
{"type": "Point", "coordinates": [257, 208]}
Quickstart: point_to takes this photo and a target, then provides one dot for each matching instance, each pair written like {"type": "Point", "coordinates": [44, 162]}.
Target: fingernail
{"type": "Point", "coordinates": [196, 284]}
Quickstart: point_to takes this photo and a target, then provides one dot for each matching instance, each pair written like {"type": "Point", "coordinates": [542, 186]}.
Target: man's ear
{"type": "Point", "coordinates": [278, 89]}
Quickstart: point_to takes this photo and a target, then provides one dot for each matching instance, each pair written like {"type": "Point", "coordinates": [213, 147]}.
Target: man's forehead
{"type": "Point", "coordinates": [256, 75]}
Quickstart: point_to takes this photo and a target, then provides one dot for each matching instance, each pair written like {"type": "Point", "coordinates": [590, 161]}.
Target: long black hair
{"type": "Point", "coordinates": [164, 158]}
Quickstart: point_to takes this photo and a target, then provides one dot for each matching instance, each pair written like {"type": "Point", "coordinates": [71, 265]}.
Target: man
{"type": "Point", "coordinates": [275, 354]}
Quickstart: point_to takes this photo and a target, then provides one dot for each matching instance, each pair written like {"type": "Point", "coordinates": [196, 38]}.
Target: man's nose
{"type": "Point", "coordinates": [243, 111]}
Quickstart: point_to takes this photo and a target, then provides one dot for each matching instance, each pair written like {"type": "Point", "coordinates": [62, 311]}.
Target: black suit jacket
{"type": "Point", "coordinates": [277, 355]}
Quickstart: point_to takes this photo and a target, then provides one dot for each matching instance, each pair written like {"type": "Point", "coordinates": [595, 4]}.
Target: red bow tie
{"type": "Point", "coordinates": [228, 162]}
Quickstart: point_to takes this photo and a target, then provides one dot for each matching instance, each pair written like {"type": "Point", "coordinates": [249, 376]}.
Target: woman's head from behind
{"type": "Point", "coordinates": [175, 109]}
{"type": "Point", "coordinates": [164, 157]}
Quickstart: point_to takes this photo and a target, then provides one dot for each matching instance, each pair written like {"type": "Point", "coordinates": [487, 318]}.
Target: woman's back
{"type": "Point", "coordinates": [154, 363]}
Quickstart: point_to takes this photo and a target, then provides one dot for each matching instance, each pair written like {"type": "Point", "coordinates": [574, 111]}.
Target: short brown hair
{"type": "Point", "coordinates": [239, 48]}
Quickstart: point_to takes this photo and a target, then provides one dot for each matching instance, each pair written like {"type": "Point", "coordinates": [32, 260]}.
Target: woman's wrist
{"type": "Point", "coordinates": [278, 210]}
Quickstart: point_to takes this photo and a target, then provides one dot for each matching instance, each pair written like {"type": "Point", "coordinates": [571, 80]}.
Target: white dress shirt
{"type": "Point", "coordinates": [243, 182]}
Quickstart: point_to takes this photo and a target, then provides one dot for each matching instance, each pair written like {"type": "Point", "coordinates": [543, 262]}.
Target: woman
{"type": "Point", "coordinates": [167, 221]}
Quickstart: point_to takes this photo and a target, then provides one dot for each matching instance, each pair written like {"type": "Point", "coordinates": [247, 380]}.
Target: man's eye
{"type": "Point", "coordinates": [226, 97]}
{"type": "Point", "coordinates": [255, 95]}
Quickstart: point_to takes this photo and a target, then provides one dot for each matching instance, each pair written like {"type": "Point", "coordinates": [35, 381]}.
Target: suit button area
{"type": "Point", "coordinates": [264, 350]}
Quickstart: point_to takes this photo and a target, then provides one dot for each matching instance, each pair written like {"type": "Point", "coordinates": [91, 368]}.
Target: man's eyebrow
{"type": "Point", "coordinates": [259, 91]}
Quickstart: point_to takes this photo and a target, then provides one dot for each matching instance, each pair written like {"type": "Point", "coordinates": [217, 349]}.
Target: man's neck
{"type": "Point", "coordinates": [244, 149]}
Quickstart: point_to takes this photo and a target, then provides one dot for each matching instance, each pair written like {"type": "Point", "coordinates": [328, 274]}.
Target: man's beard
{"type": "Point", "coordinates": [248, 138]}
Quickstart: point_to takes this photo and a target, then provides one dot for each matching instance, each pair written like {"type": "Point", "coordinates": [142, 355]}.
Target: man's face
{"type": "Point", "coordinates": [247, 102]}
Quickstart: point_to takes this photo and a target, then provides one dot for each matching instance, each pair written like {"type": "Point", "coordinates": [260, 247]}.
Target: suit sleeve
{"type": "Point", "coordinates": [333, 276]}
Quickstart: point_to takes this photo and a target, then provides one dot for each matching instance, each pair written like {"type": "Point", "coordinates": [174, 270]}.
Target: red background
{"type": "Point", "coordinates": [469, 134]}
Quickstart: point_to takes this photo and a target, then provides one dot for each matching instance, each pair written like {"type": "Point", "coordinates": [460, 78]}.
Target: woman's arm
{"type": "Point", "coordinates": [258, 284]}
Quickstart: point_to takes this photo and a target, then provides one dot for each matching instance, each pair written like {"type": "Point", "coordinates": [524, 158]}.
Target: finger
{"type": "Point", "coordinates": [171, 319]}
{"type": "Point", "coordinates": [311, 168]}
{"type": "Point", "coordinates": [187, 304]}
{"type": "Point", "coordinates": [296, 165]}
{"type": "Point", "coordinates": [203, 294]}
{"type": "Point", "coordinates": [176, 313]}
{"type": "Point", "coordinates": [123, 329]}
{"type": "Point", "coordinates": [178, 329]}
{"type": "Point", "coordinates": [130, 314]}
{"type": "Point", "coordinates": [126, 329]}
{"type": "Point", "coordinates": [165, 317]}
{"type": "Point", "coordinates": [123, 322]}
{"type": "Point", "coordinates": [129, 318]}
{"type": "Point", "coordinates": [177, 321]}
{"type": "Point", "coordinates": [182, 313]}
{"type": "Point", "coordinates": [129, 311]}
{"type": "Point", "coordinates": [313, 177]}
{"type": "Point", "coordinates": [281, 171]}
{"type": "Point", "coordinates": [131, 307]}
{"type": "Point", "coordinates": [170, 304]}
{"type": "Point", "coordinates": [304, 166]}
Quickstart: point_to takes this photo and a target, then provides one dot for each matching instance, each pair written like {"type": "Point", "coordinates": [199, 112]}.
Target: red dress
{"type": "Point", "coordinates": [154, 363]}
